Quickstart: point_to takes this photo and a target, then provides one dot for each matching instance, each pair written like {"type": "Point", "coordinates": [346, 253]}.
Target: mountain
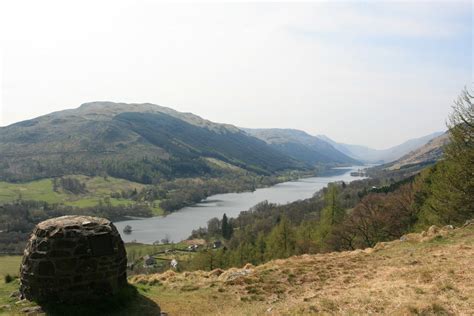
{"type": "Point", "coordinates": [427, 154]}
{"type": "Point", "coordinates": [133, 141]}
{"type": "Point", "coordinates": [301, 146]}
{"type": "Point", "coordinates": [371, 155]}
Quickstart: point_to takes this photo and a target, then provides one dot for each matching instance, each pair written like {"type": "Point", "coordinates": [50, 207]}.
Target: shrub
{"type": "Point", "coordinates": [9, 278]}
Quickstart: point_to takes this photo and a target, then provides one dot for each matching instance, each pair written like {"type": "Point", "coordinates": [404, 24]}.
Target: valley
{"type": "Point", "coordinates": [170, 158]}
{"type": "Point", "coordinates": [123, 160]}
{"type": "Point", "coordinates": [179, 225]}
{"type": "Point", "coordinates": [236, 201]}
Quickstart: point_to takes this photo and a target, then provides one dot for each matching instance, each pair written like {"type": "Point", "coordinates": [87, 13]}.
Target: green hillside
{"type": "Point", "coordinates": [98, 190]}
{"type": "Point", "coordinates": [139, 142]}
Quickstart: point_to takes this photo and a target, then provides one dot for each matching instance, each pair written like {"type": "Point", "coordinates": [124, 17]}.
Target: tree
{"type": "Point", "coordinates": [331, 215]}
{"type": "Point", "coordinates": [226, 228]}
{"type": "Point", "coordinates": [261, 247]}
{"type": "Point", "coordinates": [451, 191]}
{"type": "Point", "coordinates": [213, 227]}
{"type": "Point", "coordinates": [281, 242]}
{"type": "Point", "coordinates": [305, 238]}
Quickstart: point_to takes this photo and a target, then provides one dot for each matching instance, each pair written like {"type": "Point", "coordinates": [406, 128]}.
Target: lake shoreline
{"type": "Point", "coordinates": [178, 225]}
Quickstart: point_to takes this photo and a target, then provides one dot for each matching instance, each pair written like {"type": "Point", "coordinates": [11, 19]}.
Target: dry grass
{"type": "Point", "coordinates": [428, 274]}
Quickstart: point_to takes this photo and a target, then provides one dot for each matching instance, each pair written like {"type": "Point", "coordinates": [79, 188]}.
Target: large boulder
{"type": "Point", "coordinates": [73, 259]}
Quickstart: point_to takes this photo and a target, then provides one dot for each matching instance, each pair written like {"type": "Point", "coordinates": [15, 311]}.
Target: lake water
{"type": "Point", "coordinates": [179, 225]}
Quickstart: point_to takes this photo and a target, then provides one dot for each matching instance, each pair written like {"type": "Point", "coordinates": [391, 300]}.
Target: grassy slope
{"type": "Point", "coordinates": [98, 188]}
{"type": "Point", "coordinates": [401, 278]}
{"type": "Point", "coordinates": [432, 275]}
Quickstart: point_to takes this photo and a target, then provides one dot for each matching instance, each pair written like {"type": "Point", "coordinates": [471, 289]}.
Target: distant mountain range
{"type": "Point", "coordinates": [301, 146]}
{"type": "Point", "coordinates": [370, 155]}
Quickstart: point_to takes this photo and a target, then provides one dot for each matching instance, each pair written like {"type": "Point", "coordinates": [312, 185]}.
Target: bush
{"type": "Point", "coordinates": [9, 278]}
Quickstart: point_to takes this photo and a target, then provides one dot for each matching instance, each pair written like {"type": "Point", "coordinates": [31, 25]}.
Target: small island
{"type": "Point", "coordinates": [127, 229]}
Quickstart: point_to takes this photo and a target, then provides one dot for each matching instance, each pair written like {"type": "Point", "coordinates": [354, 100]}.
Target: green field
{"type": "Point", "coordinates": [98, 189]}
{"type": "Point", "coordinates": [137, 250]}
{"type": "Point", "coordinates": [9, 265]}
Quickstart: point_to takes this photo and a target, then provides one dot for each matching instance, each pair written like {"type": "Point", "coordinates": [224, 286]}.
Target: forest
{"type": "Point", "coordinates": [355, 215]}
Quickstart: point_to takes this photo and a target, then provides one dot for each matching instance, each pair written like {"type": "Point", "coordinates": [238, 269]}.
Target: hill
{"type": "Point", "coordinates": [138, 142]}
{"type": "Point", "coordinates": [425, 274]}
{"type": "Point", "coordinates": [427, 154]}
{"type": "Point", "coordinates": [415, 161]}
{"type": "Point", "coordinates": [421, 274]}
{"type": "Point", "coordinates": [371, 155]}
{"type": "Point", "coordinates": [301, 146]}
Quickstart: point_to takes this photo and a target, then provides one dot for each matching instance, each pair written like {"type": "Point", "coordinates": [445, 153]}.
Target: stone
{"type": "Point", "coordinates": [32, 310]}
{"type": "Point", "coordinates": [216, 272]}
{"type": "Point", "coordinates": [62, 259]}
{"type": "Point", "coordinates": [15, 294]}
{"type": "Point", "coordinates": [433, 230]}
{"type": "Point", "coordinates": [469, 223]}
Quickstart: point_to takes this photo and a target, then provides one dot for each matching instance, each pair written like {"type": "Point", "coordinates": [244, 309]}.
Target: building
{"type": "Point", "coordinates": [149, 261]}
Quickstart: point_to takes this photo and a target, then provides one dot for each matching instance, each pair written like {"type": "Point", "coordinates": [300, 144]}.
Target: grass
{"type": "Point", "coordinates": [424, 277]}
{"type": "Point", "coordinates": [128, 301]}
{"type": "Point", "coordinates": [136, 250]}
{"type": "Point", "coordinates": [98, 189]}
{"type": "Point", "coordinates": [41, 190]}
{"type": "Point", "coordinates": [87, 202]}
{"type": "Point", "coordinates": [9, 265]}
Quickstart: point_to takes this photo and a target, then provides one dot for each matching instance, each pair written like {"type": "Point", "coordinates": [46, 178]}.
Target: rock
{"type": "Point", "coordinates": [369, 250]}
{"type": "Point", "coordinates": [73, 259]}
{"type": "Point", "coordinates": [35, 310]}
{"type": "Point", "coordinates": [380, 245]}
{"type": "Point", "coordinates": [403, 238]}
{"type": "Point", "coordinates": [448, 227]}
{"type": "Point", "coordinates": [468, 223]}
{"type": "Point", "coordinates": [433, 230]}
{"type": "Point", "coordinates": [216, 272]}
{"type": "Point", "coordinates": [16, 294]}
{"type": "Point", "coordinates": [233, 274]}
{"type": "Point", "coordinates": [249, 266]}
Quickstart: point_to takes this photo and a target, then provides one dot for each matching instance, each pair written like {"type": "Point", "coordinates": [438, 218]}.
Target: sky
{"type": "Point", "coordinates": [374, 73]}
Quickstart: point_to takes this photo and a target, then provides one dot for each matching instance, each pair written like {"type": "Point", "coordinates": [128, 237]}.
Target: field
{"type": "Point", "coordinates": [9, 265]}
{"type": "Point", "coordinates": [98, 189]}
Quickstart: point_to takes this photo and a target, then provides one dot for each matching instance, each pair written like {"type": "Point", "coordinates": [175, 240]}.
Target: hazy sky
{"type": "Point", "coordinates": [360, 72]}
